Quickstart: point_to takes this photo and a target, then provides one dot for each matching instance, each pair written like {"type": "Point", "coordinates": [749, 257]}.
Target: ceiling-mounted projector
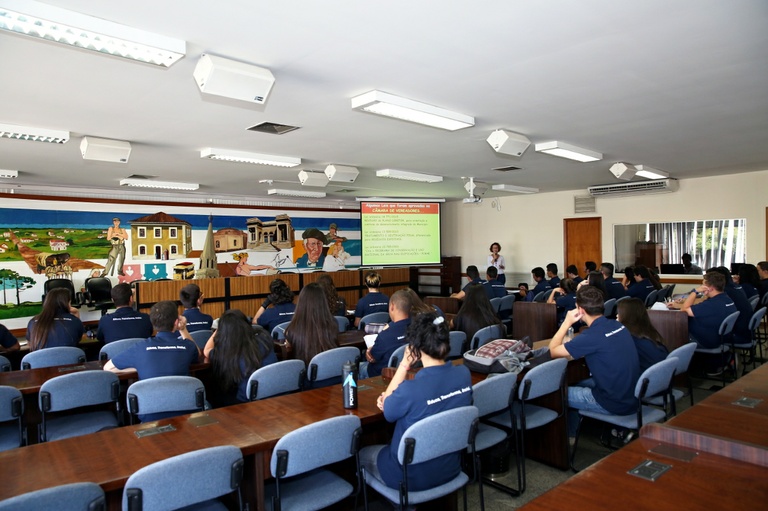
{"type": "Point", "coordinates": [473, 200]}
{"type": "Point", "coordinates": [474, 190]}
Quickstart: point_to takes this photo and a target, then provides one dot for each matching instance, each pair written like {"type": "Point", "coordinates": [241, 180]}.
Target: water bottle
{"type": "Point", "coordinates": [349, 385]}
{"type": "Point", "coordinates": [569, 336]}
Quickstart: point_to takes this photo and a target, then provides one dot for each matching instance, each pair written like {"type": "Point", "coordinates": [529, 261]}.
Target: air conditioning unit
{"type": "Point", "coordinates": [232, 79]}
{"type": "Point", "coordinates": [635, 188]}
{"type": "Point", "coordinates": [104, 149]}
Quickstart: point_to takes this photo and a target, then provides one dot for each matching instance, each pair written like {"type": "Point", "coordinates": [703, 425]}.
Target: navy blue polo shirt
{"type": "Point", "coordinates": [641, 289]}
{"type": "Point", "coordinates": [707, 316]}
{"type": "Point", "coordinates": [124, 323]}
{"type": "Point", "coordinates": [67, 330]}
{"type": "Point", "coordinates": [387, 341]}
{"type": "Point", "coordinates": [614, 288]}
{"type": "Point", "coordinates": [196, 320]}
{"type": "Point", "coordinates": [494, 289]}
{"type": "Point", "coordinates": [543, 285]}
{"type": "Point", "coordinates": [7, 339]}
{"type": "Point", "coordinates": [275, 315]}
{"type": "Point", "coordinates": [370, 303]}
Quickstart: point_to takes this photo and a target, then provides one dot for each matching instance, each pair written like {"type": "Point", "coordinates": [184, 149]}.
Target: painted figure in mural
{"type": "Point", "coordinates": [337, 257]}
{"type": "Point", "coordinates": [314, 240]}
{"type": "Point", "coordinates": [116, 236]}
{"type": "Point", "coordinates": [333, 235]}
{"type": "Point", "coordinates": [245, 269]}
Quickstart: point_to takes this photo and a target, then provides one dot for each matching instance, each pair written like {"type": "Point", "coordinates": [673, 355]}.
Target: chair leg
{"type": "Point", "coordinates": [576, 444]}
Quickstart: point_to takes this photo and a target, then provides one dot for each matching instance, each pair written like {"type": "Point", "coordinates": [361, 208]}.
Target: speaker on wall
{"type": "Point", "coordinates": [232, 79]}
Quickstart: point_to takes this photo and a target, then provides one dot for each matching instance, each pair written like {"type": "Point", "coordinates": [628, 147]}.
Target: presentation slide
{"type": "Point", "coordinates": [400, 233]}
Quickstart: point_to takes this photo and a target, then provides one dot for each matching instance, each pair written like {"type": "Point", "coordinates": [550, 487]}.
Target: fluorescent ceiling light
{"type": "Point", "coordinates": [650, 173]}
{"type": "Point", "coordinates": [296, 193]}
{"type": "Point", "coordinates": [408, 176]}
{"type": "Point", "coordinates": [515, 189]}
{"type": "Point", "coordinates": [389, 105]}
{"type": "Point", "coordinates": [51, 23]}
{"type": "Point", "coordinates": [247, 157]}
{"type": "Point", "coordinates": [151, 183]}
{"type": "Point", "coordinates": [9, 174]}
{"type": "Point", "coordinates": [36, 134]}
{"type": "Point", "coordinates": [569, 151]}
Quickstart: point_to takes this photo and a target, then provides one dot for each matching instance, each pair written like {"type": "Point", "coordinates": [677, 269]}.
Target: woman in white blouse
{"type": "Point", "coordinates": [497, 260]}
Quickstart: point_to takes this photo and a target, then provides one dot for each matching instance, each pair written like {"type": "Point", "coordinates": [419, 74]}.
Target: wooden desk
{"type": "Point", "coordinates": [672, 325]}
{"type": "Point", "coordinates": [536, 320]}
{"type": "Point", "coordinates": [446, 304]}
{"type": "Point", "coordinates": [707, 481]}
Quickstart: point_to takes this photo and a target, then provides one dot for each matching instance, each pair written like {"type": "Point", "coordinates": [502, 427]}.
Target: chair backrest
{"type": "Point", "coordinates": [683, 354]}
{"type": "Point", "coordinates": [656, 379]}
{"type": "Point", "coordinates": [374, 317]}
{"type": "Point", "coordinates": [610, 308]}
{"type": "Point", "coordinates": [542, 379]}
{"type": "Point", "coordinates": [343, 323]}
{"type": "Point", "coordinates": [166, 394]}
{"type": "Point", "coordinates": [201, 337]}
{"type": "Point", "coordinates": [74, 390]}
{"type": "Point", "coordinates": [542, 296]}
{"type": "Point", "coordinates": [112, 349]}
{"type": "Point", "coordinates": [651, 298]}
{"type": "Point", "coordinates": [278, 378]}
{"type": "Point", "coordinates": [764, 300]}
{"type": "Point", "coordinates": [726, 327]}
{"type": "Point", "coordinates": [5, 364]}
{"type": "Point", "coordinates": [52, 284]}
{"type": "Point", "coordinates": [756, 318]}
{"type": "Point", "coordinates": [753, 301]}
{"type": "Point", "coordinates": [457, 339]}
{"type": "Point", "coordinates": [494, 393]}
{"type": "Point", "coordinates": [397, 356]}
{"type": "Point", "coordinates": [316, 445]}
{"type": "Point", "coordinates": [487, 334]}
{"type": "Point", "coordinates": [189, 478]}
{"type": "Point", "coordinates": [505, 307]}
{"type": "Point", "coordinates": [11, 408]}
{"type": "Point", "coordinates": [622, 298]}
{"type": "Point", "coordinates": [278, 333]}
{"type": "Point", "coordinates": [98, 290]}
{"type": "Point", "coordinates": [67, 497]}
{"type": "Point", "coordinates": [496, 303]}
{"type": "Point", "coordinates": [661, 295]}
{"type": "Point", "coordinates": [419, 443]}
{"type": "Point", "coordinates": [329, 363]}
{"type": "Point", "coordinates": [56, 356]}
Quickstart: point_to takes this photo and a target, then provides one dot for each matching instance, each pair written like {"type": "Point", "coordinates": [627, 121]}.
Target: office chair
{"type": "Point", "coordinates": [77, 390]}
{"type": "Point", "coordinates": [505, 310]}
{"type": "Point", "coordinates": [343, 323]}
{"type": "Point", "coordinates": [651, 298]}
{"type": "Point", "coordinates": [275, 379]}
{"type": "Point", "coordinates": [495, 304]}
{"type": "Point", "coordinates": [750, 348]}
{"type": "Point", "coordinates": [11, 410]}
{"type": "Point", "coordinates": [397, 356]}
{"type": "Point", "coordinates": [457, 339]}
{"type": "Point", "coordinates": [298, 461]}
{"type": "Point", "coordinates": [51, 357]}
{"type": "Point", "coordinates": [197, 477]}
{"type": "Point", "coordinates": [67, 497]}
{"type": "Point", "coordinates": [725, 331]}
{"type": "Point", "coordinates": [165, 396]}
{"type": "Point", "coordinates": [112, 349]}
{"type": "Point", "coordinates": [610, 308]}
{"type": "Point", "coordinates": [486, 335]}
{"type": "Point", "coordinates": [753, 301]}
{"type": "Point", "coordinates": [374, 317]}
{"type": "Point", "coordinates": [278, 333]}
{"type": "Point", "coordinates": [51, 284]}
{"type": "Point", "coordinates": [201, 337]}
{"type": "Point", "coordinates": [5, 364]}
{"type": "Point", "coordinates": [98, 294]}
{"type": "Point", "coordinates": [326, 368]}
{"type": "Point", "coordinates": [683, 354]}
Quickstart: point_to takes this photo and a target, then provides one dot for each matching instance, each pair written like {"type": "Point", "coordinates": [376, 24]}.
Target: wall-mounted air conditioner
{"type": "Point", "coordinates": [635, 188]}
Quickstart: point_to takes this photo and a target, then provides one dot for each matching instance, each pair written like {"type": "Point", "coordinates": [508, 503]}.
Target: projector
{"type": "Point", "coordinates": [473, 200]}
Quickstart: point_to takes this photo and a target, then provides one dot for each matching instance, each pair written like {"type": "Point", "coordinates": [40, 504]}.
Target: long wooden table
{"type": "Point", "coordinates": [535, 319]}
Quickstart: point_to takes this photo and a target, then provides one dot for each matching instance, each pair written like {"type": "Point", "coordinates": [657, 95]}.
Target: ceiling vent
{"type": "Point", "coordinates": [506, 169]}
{"type": "Point", "coordinates": [584, 204]}
{"type": "Point", "coordinates": [635, 188]}
{"type": "Point", "coordinates": [272, 128]}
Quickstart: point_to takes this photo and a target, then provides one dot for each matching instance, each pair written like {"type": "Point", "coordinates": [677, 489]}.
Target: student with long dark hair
{"type": "Point", "coordinates": [436, 388]}
{"type": "Point", "coordinates": [282, 307]}
{"type": "Point", "coordinates": [313, 329]}
{"type": "Point", "coordinates": [648, 341]}
{"type": "Point", "coordinates": [595, 279]}
{"type": "Point", "coordinates": [336, 304]}
{"type": "Point", "coordinates": [749, 279]}
{"type": "Point", "coordinates": [564, 297]}
{"type": "Point", "coordinates": [58, 324]}
{"type": "Point", "coordinates": [476, 313]}
{"type": "Point", "coordinates": [235, 351]}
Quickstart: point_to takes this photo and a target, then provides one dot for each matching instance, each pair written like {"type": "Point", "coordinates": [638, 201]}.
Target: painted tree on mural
{"type": "Point", "coordinates": [10, 279]}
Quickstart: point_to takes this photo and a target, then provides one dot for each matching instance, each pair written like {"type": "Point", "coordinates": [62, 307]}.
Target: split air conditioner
{"type": "Point", "coordinates": [635, 188]}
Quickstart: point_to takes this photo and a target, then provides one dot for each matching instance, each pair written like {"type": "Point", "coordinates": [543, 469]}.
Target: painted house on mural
{"type": "Point", "coordinates": [270, 235]}
{"type": "Point", "coordinates": [229, 239]}
{"type": "Point", "coordinates": [160, 236]}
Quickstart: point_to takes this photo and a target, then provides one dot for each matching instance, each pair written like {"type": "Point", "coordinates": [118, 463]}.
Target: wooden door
{"type": "Point", "coordinates": [583, 242]}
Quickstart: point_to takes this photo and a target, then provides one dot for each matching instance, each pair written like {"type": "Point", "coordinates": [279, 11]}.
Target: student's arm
{"type": "Point", "coordinates": [209, 345]}
{"type": "Point", "coordinates": [555, 292]}
{"type": "Point", "coordinates": [181, 327]}
{"type": "Point", "coordinates": [109, 366]}
{"type": "Point", "coordinates": [398, 378]}
{"type": "Point", "coordinates": [557, 344]}
{"type": "Point", "coordinates": [688, 303]}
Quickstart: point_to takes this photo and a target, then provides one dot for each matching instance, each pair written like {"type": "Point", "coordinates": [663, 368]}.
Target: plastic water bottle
{"type": "Point", "coordinates": [349, 385]}
{"type": "Point", "coordinates": [570, 333]}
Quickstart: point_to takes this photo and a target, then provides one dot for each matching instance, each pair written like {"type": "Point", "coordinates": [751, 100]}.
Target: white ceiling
{"type": "Point", "coordinates": [679, 86]}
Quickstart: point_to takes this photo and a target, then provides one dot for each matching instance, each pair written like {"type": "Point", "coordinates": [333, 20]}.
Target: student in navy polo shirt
{"type": "Point", "coordinates": [436, 388]}
{"type": "Point", "coordinates": [541, 285]}
{"type": "Point", "coordinates": [564, 296]}
{"type": "Point", "coordinates": [643, 284]}
{"type": "Point", "coordinates": [493, 287]}
{"type": "Point", "coordinates": [58, 324]}
{"type": "Point", "coordinates": [554, 280]}
{"type": "Point", "coordinates": [374, 301]}
{"type": "Point", "coordinates": [165, 354]}
{"type": "Point", "coordinates": [611, 356]}
{"type": "Point", "coordinates": [282, 307]}
{"type": "Point", "coordinates": [573, 273]}
{"type": "Point", "coordinates": [473, 276]}
{"type": "Point", "coordinates": [648, 341]}
{"type": "Point", "coordinates": [8, 342]}
{"type": "Point", "coordinates": [389, 339]}
{"type": "Point", "coordinates": [124, 323]}
{"type": "Point", "coordinates": [613, 287]}
{"type": "Point", "coordinates": [191, 298]}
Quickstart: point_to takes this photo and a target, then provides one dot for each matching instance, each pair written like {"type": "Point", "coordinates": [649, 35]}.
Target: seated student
{"type": "Point", "coordinates": [554, 280]}
{"type": "Point", "coordinates": [611, 356]}
{"type": "Point", "coordinates": [235, 351]}
{"type": "Point", "coordinates": [374, 301]}
{"type": "Point", "coordinates": [643, 285]}
{"type": "Point", "coordinates": [589, 266]}
{"type": "Point", "coordinates": [191, 298]}
{"type": "Point", "coordinates": [313, 329]}
{"type": "Point", "coordinates": [58, 324]}
{"type": "Point", "coordinates": [762, 270]}
{"type": "Point", "coordinates": [8, 341]}
{"type": "Point", "coordinates": [389, 339]}
{"type": "Point", "coordinates": [522, 291]}
{"type": "Point", "coordinates": [441, 385]}
{"type": "Point", "coordinates": [419, 307]}
{"type": "Point", "coordinates": [741, 332]}
{"type": "Point", "coordinates": [162, 355]}
{"type": "Point", "coordinates": [595, 279]}
{"type": "Point", "coordinates": [336, 304]}
{"type": "Point", "coordinates": [573, 273]}
{"type": "Point", "coordinates": [564, 296]}
{"type": "Point", "coordinates": [282, 308]}
{"type": "Point", "coordinates": [473, 276]}
{"type": "Point", "coordinates": [749, 280]}
{"type": "Point", "coordinates": [613, 287]}
{"type": "Point", "coordinates": [690, 268]}
{"type": "Point", "coordinates": [476, 313]}
{"type": "Point", "coordinates": [541, 285]}
{"type": "Point", "coordinates": [648, 341]}
{"type": "Point", "coordinates": [493, 288]}
{"type": "Point", "coordinates": [124, 323]}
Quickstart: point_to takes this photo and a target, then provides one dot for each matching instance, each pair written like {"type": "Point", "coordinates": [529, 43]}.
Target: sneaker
{"type": "Point", "coordinates": [716, 372]}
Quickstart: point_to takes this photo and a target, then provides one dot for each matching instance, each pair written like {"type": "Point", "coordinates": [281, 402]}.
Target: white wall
{"type": "Point", "coordinates": [530, 227]}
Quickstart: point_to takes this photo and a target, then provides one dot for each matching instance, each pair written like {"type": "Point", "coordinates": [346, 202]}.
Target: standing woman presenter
{"type": "Point", "coordinates": [497, 260]}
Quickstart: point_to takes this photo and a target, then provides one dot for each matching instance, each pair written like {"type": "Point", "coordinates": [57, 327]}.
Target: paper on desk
{"type": "Point", "coordinates": [370, 339]}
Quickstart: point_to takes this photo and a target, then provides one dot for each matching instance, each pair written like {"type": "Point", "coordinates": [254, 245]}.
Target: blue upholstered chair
{"type": "Point", "coordinates": [343, 323]}
{"type": "Point", "coordinates": [77, 390]}
{"type": "Point", "coordinates": [397, 356]}
{"type": "Point", "coordinates": [298, 461]}
{"type": "Point", "coordinates": [111, 349]}
{"type": "Point", "coordinates": [67, 497]}
{"type": "Point", "coordinates": [326, 368]}
{"type": "Point", "coordinates": [651, 298]}
{"type": "Point", "coordinates": [201, 337]}
{"type": "Point", "coordinates": [683, 354]}
{"type": "Point", "coordinates": [725, 331]}
{"type": "Point", "coordinates": [750, 348]}
{"type": "Point", "coordinates": [496, 303]}
{"type": "Point", "coordinates": [11, 414]}
{"type": "Point", "coordinates": [458, 339]}
{"type": "Point", "coordinates": [166, 396]}
{"type": "Point", "coordinates": [486, 335]}
{"type": "Point", "coordinates": [5, 364]}
{"type": "Point", "coordinates": [374, 317]}
{"type": "Point", "coordinates": [419, 443]}
{"type": "Point", "coordinates": [278, 333]}
{"type": "Point", "coordinates": [275, 379]}
{"type": "Point", "coordinates": [50, 357]}
{"type": "Point", "coordinates": [197, 477]}
{"type": "Point", "coordinates": [505, 309]}
{"type": "Point", "coordinates": [610, 308]}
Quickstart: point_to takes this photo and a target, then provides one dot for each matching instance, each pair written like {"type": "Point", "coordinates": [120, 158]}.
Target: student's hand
{"type": "Point", "coordinates": [369, 357]}
{"type": "Point", "coordinates": [181, 324]}
{"type": "Point", "coordinates": [380, 402]}
{"type": "Point", "coordinates": [573, 316]}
